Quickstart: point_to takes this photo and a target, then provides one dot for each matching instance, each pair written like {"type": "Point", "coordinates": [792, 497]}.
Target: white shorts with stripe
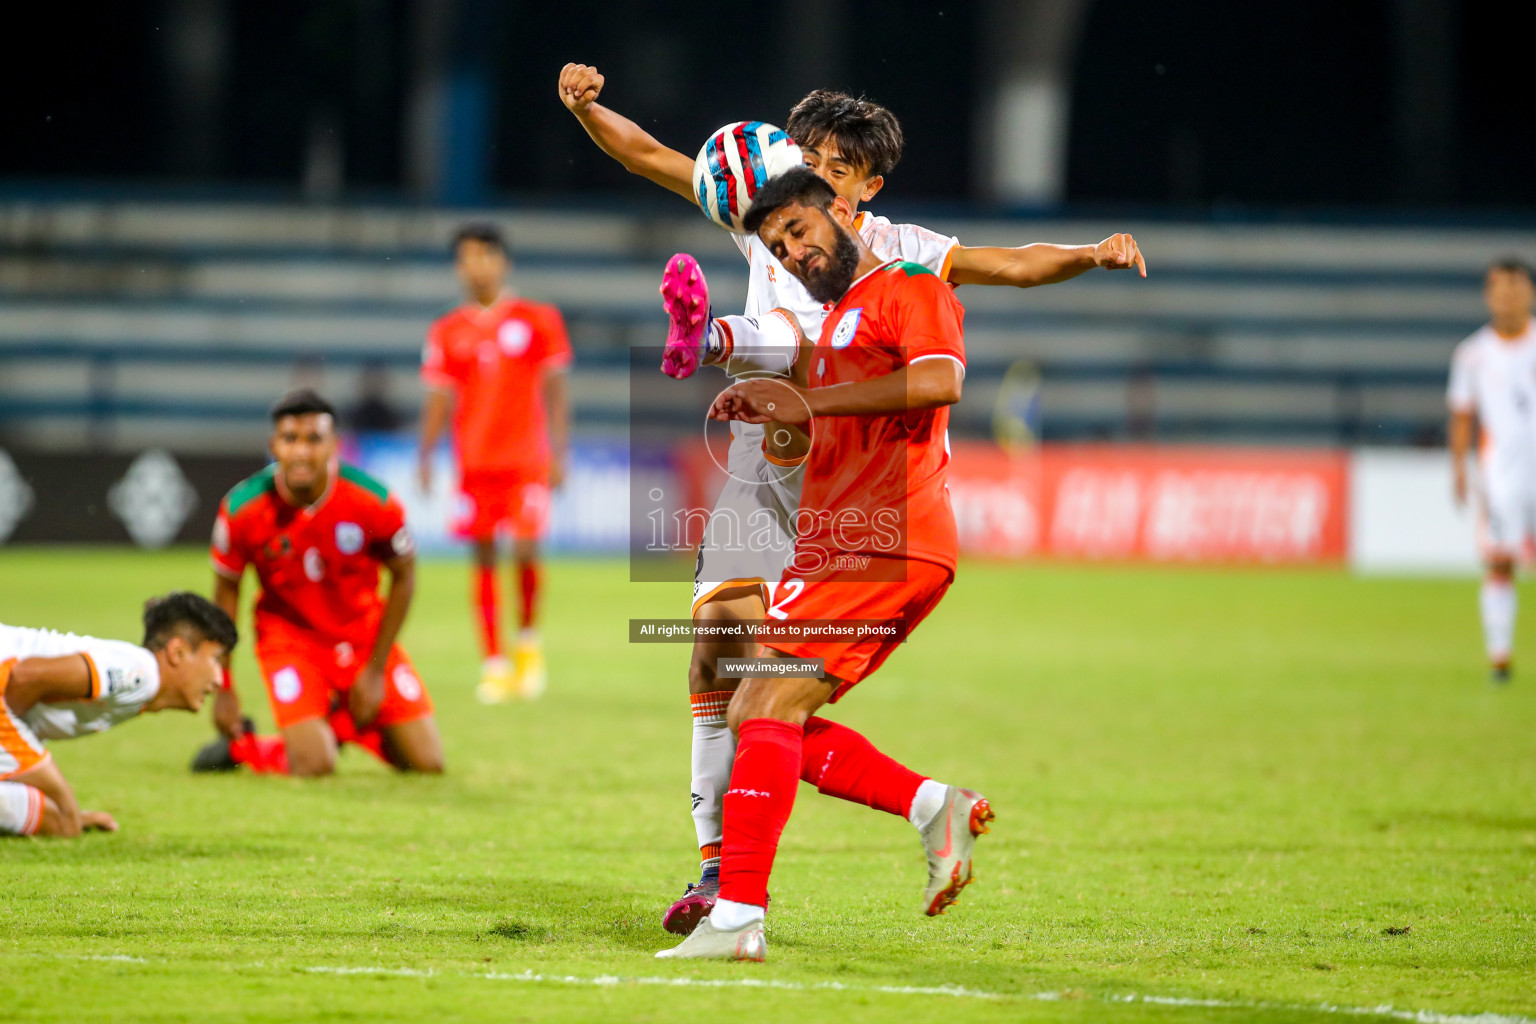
{"type": "Point", "coordinates": [750, 536]}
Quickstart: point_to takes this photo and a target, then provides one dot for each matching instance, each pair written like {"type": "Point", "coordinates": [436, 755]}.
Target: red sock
{"type": "Point", "coordinates": [528, 586]}
{"type": "Point", "coordinates": [842, 763]}
{"type": "Point", "coordinates": [757, 805]}
{"type": "Point", "coordinates": [490, 623]}
{"type": "Point", "coordinates": [264, 755]}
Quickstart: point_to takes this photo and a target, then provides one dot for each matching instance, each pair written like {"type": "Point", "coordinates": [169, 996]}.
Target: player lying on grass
{"type": "Point", "coordinates": [58, 686]}
{"type": "Point", "coordinates": [877, 543]}
{"type": "Point", "coordinates": [852, 144]}
{"type": "Point", "coordinates": [316, 531]}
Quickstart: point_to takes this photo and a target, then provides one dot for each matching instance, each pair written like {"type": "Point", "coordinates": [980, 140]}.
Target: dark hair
{"type": "Point", "coordinates": [301, 402]}
{"type": "Point", "coordinates": [480, 231]}
{"type": "Point", "coordinates": [867, 135]}
{"type": "Point", "coordinates": [181, 612]}
{"type": "Point", "coordinates": [1512, 265]}
{"type": "Point", "coordinates": [798, 185]}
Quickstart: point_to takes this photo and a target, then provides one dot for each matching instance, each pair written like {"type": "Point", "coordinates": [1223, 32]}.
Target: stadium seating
{"type": "Point", "coordinates": [124, 323]}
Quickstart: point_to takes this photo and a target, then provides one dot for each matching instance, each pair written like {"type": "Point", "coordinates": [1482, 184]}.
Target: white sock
{"type": "Point", "coordinates": [729, 915]}
{"type": "Point", "coordinates": [928, 802]}
{"type": "Point", "coordinates": [769, 342]}
{"type": "Point", "coordinates": [714, 752]}
{"type": "Point", "coordinates": [1498, 603]}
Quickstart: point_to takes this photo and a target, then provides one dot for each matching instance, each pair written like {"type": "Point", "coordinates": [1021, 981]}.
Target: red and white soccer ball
{"type": "Point", "coordinates": [735, 163]}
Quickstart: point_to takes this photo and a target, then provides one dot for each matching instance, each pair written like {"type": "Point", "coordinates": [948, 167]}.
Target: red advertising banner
{"type": "Point", "coordinates": [1122, 502]}
{"type": "Point", "coordinates": [1151, 503]}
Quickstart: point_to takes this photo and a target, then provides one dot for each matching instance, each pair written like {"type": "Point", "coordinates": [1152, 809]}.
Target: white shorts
{"type": "Point", "coordinates": [21, 809]}
{"type": "Point", "coordinates": [750, 536]}
{"type": "Point", "coordinates": [1508, 509]}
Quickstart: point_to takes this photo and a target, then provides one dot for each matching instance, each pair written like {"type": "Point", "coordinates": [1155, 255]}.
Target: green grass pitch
{"type": "Point", "coordinates": [1248, 793]}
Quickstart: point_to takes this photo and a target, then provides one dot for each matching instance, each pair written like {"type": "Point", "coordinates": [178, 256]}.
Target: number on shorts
{"type": "Point", "coordinates": [783, 594]}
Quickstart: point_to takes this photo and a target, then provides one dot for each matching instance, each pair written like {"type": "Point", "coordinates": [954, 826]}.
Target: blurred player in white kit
{"type": "Point", "coordinates": [56, 686]}
{"type": "Point", "coordinates": [1493, 388]}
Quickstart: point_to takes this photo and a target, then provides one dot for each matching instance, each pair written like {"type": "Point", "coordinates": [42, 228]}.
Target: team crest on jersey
{"type": "Point", "coordinates": [514, 336]}
{"type": "Point", "coordinates": [842, 335]}
{"type": "Point", "coordinates": [349, 538]}
{"type": "Point", "coordinates": [118, 681]}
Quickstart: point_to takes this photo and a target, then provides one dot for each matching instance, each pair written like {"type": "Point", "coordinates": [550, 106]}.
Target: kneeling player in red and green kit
{"type": "Point", "coordinates": [317, 531]}
{"type": "Point", "coordinates": [875, 542]}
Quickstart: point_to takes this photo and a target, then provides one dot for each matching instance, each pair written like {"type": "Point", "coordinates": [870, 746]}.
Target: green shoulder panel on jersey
{"type": "Point", "coordinates": [909, 268]}
{"type": "Point", "coordinates": [251, 488]}
{"type": "Point", "coordinates": [371, 484]}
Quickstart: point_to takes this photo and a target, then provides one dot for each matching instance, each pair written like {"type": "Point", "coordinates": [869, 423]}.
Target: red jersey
{"type": "Point", "coordinates": [318, 564]}
{"type": "Point", "coordinates": [877, 484]}
{"type": "Point", "coordinates": [493, 361]}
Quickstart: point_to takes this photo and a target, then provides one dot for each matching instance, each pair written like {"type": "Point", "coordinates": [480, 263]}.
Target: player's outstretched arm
{"type": "Point", "coordinates": [926, 384]}
{"type": "Point", "coordinates": [1043, 262]}
{"type": "Point", "coordinates": [226, 702]}
{"type": "Point", "coordinates": [620, 137]}
{"type": "Point", "coordinates": [368, 691]}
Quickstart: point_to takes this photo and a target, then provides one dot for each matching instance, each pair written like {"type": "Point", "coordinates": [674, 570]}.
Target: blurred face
{"type": "Point", "coordinates": [304, 447]}
{"type": "Point", "coordinates": [851, 181]}
{"type": "Point", "coordinates": [188, 672]}
{"type": "Point", "coordinates": [815, 245]}
{"type": "Point", "coordinates": [481, 267]}
{"type": "Point", "coordinates": [1509, 294]}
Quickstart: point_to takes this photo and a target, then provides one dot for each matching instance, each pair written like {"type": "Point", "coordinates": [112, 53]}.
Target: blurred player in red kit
{"type": "Point", "coordinates": [317, 531]}
{"type": "Point", "coordinates": [497, 363]}
{"type": "Point", "coordinates": [875, 542]}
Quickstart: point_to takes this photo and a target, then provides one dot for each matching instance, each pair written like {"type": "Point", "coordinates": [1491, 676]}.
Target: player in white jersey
{"type": "Point", "coordinates": [1493, 388]}
{"type": "Point", "coordinates": [853, 144]}
{"type": "Point", "coordinates": [58, 686]}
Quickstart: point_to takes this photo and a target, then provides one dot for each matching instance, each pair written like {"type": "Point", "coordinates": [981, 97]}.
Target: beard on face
{"type": "Point", "coordinates": [828, 283]}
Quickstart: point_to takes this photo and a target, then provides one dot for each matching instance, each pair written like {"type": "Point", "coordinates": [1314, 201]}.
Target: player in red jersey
{"type": "Point", "coordinates": [316, 531]}
{"type": "Point", "coordinates": [499, 362]}
{"type": "Point", "coordinates": [875, 541]}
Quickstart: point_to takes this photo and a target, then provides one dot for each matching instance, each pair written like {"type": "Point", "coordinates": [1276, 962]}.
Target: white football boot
{"type": "Point", "coordinates": [707, 943]}
{"type": "Point", "coordinates": [948, 840]}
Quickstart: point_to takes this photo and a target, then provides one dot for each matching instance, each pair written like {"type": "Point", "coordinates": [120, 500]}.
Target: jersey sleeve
{"type": "Point", "coordinates": [227, 549]}
{"type": "Point", "coordinates": [911, 243]}
{"type": "Point", "coordinates": [928, 319]}
{"type": "Point", "coordinates": [744, 243]}
{"type": "Point", "coordinates": [437, 370]}
{"type": "Point", "coordinates": [1460, 394]}
{"type": "Point", "coordinates": [389, 536]}
{"type": "Point", "coordinates": [554, 342]}
{"type": "Point", "coordinates": [124, 676]}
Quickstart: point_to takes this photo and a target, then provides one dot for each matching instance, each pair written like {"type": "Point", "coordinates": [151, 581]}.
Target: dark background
{"type": "Point", "coordinates": [1202, 105]}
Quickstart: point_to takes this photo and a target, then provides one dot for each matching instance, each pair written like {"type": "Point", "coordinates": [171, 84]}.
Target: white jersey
{"type": "Point", "coordinates": [124, 678]}
{"type": "Point", "coordinates": [1495, 378]}
{"type": "Point", "coordinates": [770, 286]}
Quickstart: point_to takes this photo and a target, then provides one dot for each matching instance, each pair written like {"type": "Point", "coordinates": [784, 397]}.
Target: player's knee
{"type": "Point", "coordinates": [1501, 569]}
{"type": "Point", "coordinates": [701, 671]}
{"type": "Point", "coordinates": [310, 763]}
{"type": "Point", "coordinates": [425, 762]}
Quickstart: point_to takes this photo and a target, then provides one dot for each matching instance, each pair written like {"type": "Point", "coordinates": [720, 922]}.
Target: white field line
{"type": "Point", "coordinates": [1384, 1012]}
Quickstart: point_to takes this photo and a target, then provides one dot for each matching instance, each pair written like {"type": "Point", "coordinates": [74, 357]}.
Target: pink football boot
{"type": "Point", "coordinates": [685, 297]}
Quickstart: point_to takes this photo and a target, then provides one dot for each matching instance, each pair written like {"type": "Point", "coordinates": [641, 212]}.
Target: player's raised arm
{"type": "Point", "coordinates": [1042, 262]}
{"type": "Point", "coordinates": [620, 137]}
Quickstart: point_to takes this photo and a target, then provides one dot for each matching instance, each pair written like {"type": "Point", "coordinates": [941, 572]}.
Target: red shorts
{"type": "Point", "coordinates": [890, 589]}
{"type": "Point", "coordinates": [308, 677]}
{"type": "Point", "coordinates": [489, 500]}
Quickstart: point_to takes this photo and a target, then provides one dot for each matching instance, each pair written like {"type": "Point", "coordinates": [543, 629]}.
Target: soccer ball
{"type": "Point", "coordinates": [734, 164]}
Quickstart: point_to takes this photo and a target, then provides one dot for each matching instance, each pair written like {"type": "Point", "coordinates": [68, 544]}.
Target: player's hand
{"type": "Point", "coordinates": [579, 87]}
{"type": "Point", "coordinates": [760, 400]}
{"type": "Point", "coordinates": [1459, 488]}
{"type": "Point", "coordinates": [1119, 252]}
{"type": "Point", "coordinates": [556, 473]}
{"type": "Point", "coordinates": [97, 821]}
{"type": "Point", "coordinates": [366, 695]}
{"type": "Point", "coordinates": [226, 714]}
